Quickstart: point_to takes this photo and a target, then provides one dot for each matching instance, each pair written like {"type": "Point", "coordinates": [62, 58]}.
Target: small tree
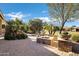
{"type": "Point", "coordinates": [55, 28]}
{"type": "Point", "coordinates": [35, 25]}
{"type": "Point", "coordinates": [24, 27]}
{"type": "Point", "coordinates": [18, 23]}
{"type": "Point", "coordinates": [48, 27]}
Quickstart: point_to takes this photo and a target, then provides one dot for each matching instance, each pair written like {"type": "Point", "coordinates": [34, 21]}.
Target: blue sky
{"type": "Point", "coordinates": [24, 11]}
{"type": "Point", "coordinates": [27, 11]}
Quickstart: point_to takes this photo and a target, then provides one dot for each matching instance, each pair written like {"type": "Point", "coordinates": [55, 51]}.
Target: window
{"type": "Point", "coordinates": [3, 26]}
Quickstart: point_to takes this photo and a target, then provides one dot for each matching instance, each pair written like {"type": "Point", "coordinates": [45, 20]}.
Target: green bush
{"type": "Point", "coordinates": [75, 37]}
{"type": "Point", "coordinates": [9, 34]}
{"type": "Point", "coordinates": [9, 37]}
{"type": "Point", "coordinates": [12, 29]}
{"type": "Point", "coordinates": [21, 36]}
{"type": "Point", "coordinates": [65, 33]}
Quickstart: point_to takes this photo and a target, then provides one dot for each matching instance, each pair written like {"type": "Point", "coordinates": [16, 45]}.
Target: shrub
{"type": "Point", "coordinates": [21, 36]}
{"type": "Point", "coordinates": [75, 37]}
{"type": "Point", "coordinates": [65, 35]}
{"type": "Point", "coordinates": [9, 34]}
{"type": "Point", "coordinates": [11, 30]}
{"type": "Point", "coordinates": [9, 37]}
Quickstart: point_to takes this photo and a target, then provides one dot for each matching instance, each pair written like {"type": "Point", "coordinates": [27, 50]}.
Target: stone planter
{"type": "Point", "coordinates": [75, 47]}
{"type": "Point", "coordinates": [64, 45]}
{"type": "Point", "coordinates": [68, 46]}
{"type": "Point", "coordinates": [44, 41]}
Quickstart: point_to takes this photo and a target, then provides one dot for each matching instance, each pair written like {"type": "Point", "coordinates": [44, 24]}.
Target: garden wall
{"type": "Point", "coordinates": [68, 46]}
{"type": "Point", "coordinates": [44, 41]}
{"type": "Point", "coordinates": [75, 47]}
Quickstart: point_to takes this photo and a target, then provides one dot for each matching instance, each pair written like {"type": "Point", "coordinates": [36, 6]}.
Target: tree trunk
{"type": "Point", "coordinates": [62, 18]}
{"type": "Point", "coordinates": [49, 32]}
{"type": "Point", "coordinates": [61, 28]}
{"type": "Point", "coordinates": [54, 32]}
{"type": "Point", "coordinates": [67, 15]}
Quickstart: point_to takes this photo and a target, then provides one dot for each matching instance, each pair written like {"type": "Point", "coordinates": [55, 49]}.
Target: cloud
{"type": "Point", "coordinates": [44, 11]}
{"type": "Point", "coordinates": [19, 15]}
{"type": "Point", "coordinates": [44, 19]}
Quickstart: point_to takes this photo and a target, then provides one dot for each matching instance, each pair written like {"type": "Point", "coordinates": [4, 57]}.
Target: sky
{"type": "Point", "coordinates": [28, 11]}
{"type": "Point", "coordinates": [24, 11]}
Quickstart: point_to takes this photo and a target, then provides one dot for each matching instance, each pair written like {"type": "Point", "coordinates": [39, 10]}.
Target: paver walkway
{"type": "Point", "coordinates": [25, 47]}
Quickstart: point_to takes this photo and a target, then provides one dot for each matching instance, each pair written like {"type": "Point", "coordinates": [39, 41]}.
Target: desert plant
{"type": "Point", "coordinates": [9, 34]}
{"type": "Point", "coordinates": [21, 36]}
{"type": "Point", "coordinates": [65, 35]}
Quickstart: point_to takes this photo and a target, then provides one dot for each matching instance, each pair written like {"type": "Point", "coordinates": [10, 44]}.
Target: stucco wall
{"type": "Point", "coordinates": [0, 23]}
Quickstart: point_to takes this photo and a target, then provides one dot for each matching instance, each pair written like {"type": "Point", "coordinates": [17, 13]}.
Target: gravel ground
{"type": "Point", "coordinates": [25, 47]}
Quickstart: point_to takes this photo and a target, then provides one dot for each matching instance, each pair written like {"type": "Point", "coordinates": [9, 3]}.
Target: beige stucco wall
{"type": "Point", "coordinates": [0, 23]}
{"type": "Point", "coordinates": [4, 22]}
